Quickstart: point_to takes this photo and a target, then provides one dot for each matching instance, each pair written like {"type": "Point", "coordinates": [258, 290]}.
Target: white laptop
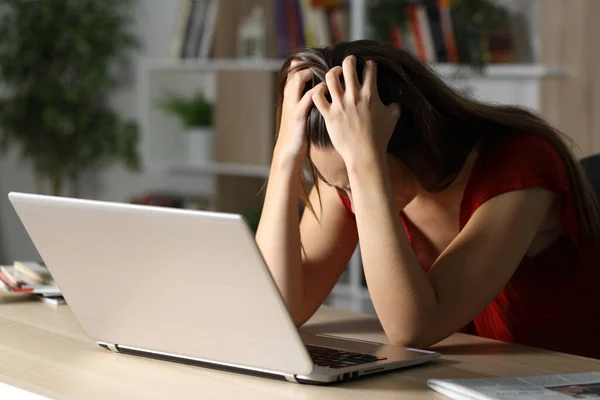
{"type": "Point", "coordinates": [186, 286]}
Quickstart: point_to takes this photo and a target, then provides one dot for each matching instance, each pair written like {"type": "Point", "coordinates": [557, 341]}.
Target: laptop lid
{"type": "Point", "coordinates": [188, 283]}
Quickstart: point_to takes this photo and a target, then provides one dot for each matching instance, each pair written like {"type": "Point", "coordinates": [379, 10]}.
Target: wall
{"type": "Point", "coordinates": [154, 24]}
{"type": "Point", "coordinates": [568, 32]}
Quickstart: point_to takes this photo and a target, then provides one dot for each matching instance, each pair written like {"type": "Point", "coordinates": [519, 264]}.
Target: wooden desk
{"type": "Point", "coordinates": [43, 350]}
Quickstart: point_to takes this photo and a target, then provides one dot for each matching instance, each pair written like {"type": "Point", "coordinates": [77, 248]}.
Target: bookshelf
{"type": "Point", "coordinates": [244, 92]}
{"type": "Point", "coordinates": [517, 71]}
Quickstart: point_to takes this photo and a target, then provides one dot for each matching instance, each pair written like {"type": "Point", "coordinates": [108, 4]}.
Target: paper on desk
{"type": "Point", "coordinates": [11, 392]}
{"type": "Point", "coordinates": [546, 387]}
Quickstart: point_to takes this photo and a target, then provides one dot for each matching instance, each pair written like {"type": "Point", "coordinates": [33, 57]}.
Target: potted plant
{"type": "Point", "coordinates": [196, 115]}
{"type": "Point", "coordinates": [59, 62]}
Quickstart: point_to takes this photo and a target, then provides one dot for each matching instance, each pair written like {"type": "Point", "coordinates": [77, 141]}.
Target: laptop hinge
{"type": "Point", "coordinates": [109, 346]}
{"type": "Point", "coordinates": [347, 338]}
{"type": "Point", "coordinates": [291, 378]}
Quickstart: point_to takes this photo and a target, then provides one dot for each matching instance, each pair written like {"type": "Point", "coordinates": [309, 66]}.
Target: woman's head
{"type": "Point", "coordinates": [425, 138]}
{"type": "Point", "coordinates": [438, 126]}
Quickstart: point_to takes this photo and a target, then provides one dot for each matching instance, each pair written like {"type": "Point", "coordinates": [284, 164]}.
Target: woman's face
{"type": "Point", "coordinates": [333, 172]}
{"type": "Point", "coordinates": [332, 169]}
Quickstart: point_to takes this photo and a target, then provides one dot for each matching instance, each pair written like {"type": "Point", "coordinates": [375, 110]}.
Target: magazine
{"type": "Point", "coordinates": [547, 387]}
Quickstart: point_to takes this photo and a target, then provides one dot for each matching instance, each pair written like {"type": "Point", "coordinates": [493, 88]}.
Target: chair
{"type": "Point", "coordinates": [591, 166]}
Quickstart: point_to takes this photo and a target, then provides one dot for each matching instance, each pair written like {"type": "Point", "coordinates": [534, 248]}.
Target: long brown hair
{"type": "Point", "coordinates": [438, 126]}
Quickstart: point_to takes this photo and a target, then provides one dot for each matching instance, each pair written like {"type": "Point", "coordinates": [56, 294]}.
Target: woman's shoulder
{"type": "Point", "coordinates": [514, 162]}
{"type": "Point", "coordinates": [521, 154]}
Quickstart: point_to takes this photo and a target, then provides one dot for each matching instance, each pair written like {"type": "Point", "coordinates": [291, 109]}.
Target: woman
{"type": "Point", "coordinates": [471, 217]}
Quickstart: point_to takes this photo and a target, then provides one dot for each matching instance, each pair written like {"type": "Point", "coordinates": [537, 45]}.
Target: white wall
{"type": "Point", "coordinates": [154, 25]}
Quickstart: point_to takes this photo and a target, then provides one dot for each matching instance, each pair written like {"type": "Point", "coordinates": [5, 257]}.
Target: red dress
{"type": "Point", "coordinates": [553, 299]}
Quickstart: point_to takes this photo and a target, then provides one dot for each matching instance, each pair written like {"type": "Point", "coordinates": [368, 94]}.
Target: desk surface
{"type": "Point", "coordinates": [43, 350]}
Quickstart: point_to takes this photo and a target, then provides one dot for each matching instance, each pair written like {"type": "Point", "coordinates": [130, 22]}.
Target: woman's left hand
{"type": "Point", "coordinates": [358, 123]}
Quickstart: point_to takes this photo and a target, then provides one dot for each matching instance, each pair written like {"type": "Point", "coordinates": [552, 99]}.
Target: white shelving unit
{"type": "Point", "coordinates": [231, 169]}
{"type": "Point", "coordinates": [508, 71]}
{"type": "Point", "coordinates": [169, 65]}
{"type": "Point", "coordinates": [504, 84]}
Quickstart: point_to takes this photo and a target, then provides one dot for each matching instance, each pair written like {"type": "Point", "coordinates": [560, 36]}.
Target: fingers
{"type": "Point", "coordinates": [292, 68]}
{"type": "Point", "coordinates": [296, 82]}
{"type": "Point", "coordinates": [350, 76]}
{"type": "Point", "coordinates": [370, 77]}
{"type": "Point", "coordinates": [332, 78]}
{"type": "Point", "coordinates": [318, 97]}
{"type": "Point", "coordinates": [307, 100]}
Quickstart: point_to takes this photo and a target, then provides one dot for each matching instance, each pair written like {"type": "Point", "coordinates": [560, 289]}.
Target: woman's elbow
{"type": "Point", "coordinates": [300, 316]}
{"type": "Point", "coordinates": [409, 338]}
{"type": "Point", "coordinates": [299, 320]}
{"type": "Point", "coordinates": [403, 340]}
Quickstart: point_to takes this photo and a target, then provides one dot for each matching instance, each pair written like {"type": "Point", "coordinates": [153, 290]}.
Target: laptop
{"type": "Point", "coordinates": [186, 286]}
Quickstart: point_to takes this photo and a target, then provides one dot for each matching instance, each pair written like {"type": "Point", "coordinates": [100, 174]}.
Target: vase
{"type": "Point", "coordinates": [198, 145]}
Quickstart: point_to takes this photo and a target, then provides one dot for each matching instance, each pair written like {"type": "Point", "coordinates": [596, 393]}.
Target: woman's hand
{"type": "Point", "coordinates": [292, 143]}
{"type": "Point", "coordinates": [357, 121]}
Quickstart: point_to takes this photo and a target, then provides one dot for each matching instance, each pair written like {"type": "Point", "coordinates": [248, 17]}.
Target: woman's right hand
{"type": "Point", "coordinates": [292, 143]}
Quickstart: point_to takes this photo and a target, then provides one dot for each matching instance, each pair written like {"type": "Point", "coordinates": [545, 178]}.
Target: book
{"type": "Point", "coordinates": [448, 30]}
{"type": "Point", "coordinates": [196, 27]}
{"type": "Point", "coordinates": [208, 29]}
{"type": "Point", "coordinates": [13, 280]}
{"type": "Point", "coordinates": [179, 36]}
{"type": "Point", "coordinates": [425, 29]}
{"type": "Point", "coordinates": [188, 47]}
{"type": "Point", "coordinates": [437, 35]}
{"type": "Point", "coordinates": [412, 12]}
{"type": "Point", "coordinates": [33, 270]}
{"type": "Point", "coordinates": [552, 387]}
{"type": "Point", "coordinates": [314, 23]}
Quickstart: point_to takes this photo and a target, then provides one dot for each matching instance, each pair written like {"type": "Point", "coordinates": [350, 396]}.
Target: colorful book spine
{"type": "Point", "coordinates": [313, 23]}
{"type": "Point", "coordinates": [396, 36]}
{"type": "Point", "coordinates": [179, 37]}
{"type": "Point", "coordinates": [437, 35]}
{"type": "Point", "coordinates": [283, 40]}
{"type": "Point", "coordinates": [425, 30]}
{"type": "Point", "coordinates": [208, 29]}
{"type": "Point", "coordinates": [447, 30]}
{"type": "Point", "coordinates": [411, 10]}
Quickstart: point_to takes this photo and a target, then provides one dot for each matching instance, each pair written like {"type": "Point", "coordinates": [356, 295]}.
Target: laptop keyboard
{"type": "Point", "coordinates": [332, 358]}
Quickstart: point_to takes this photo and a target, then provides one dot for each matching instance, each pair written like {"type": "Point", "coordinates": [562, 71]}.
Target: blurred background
{"type": "Point", "coordinates": [172, 102]}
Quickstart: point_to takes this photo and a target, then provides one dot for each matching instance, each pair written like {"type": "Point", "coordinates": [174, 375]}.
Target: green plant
{"type": "Point", "coordinates": [193, 112]}
{"type": "Point", "coordinates": [474, 23]}
{"type": "Point", "coordinates": [58, 63]}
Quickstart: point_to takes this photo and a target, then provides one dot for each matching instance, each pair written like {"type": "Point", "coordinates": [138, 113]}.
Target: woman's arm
{"type": "Point", "coordinates": [418, 309]}
{"type": "Point", "coordinates": [328, 243]}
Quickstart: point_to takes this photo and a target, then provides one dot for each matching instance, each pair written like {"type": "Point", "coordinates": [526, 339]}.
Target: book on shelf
{"type": "Point", "coordinates": [552, 387]}
{"type": "Point", "coordinates": [194, 30]}
{"type": "Point", "coordinates": [435, 32]}
{"type": "Point", "coordinates": [313, 23]}
{"type": "Point", "coordinates": [29, 278]}
{"type": "Point", "coordinates": [297, 23]}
